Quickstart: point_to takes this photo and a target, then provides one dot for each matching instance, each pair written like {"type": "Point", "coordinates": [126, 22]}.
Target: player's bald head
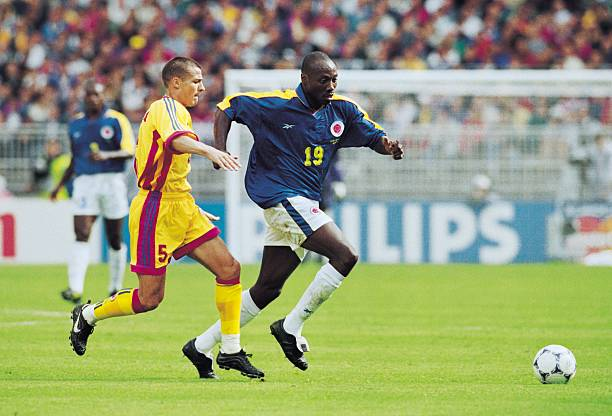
{"type": "Point", "coordinates": [179, 66]}
{"type": "Point", "coordinates": [315, 62]}
{"type": "Point", "coordinates": [93, 86]}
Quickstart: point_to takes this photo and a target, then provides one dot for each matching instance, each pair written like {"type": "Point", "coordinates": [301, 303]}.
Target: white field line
{"type": "Point", "coordinates": [36, 312]}
{"type": "Point", "coordinates": [30, 313]}
{"type": "Point", "coordinates": [17, 324]}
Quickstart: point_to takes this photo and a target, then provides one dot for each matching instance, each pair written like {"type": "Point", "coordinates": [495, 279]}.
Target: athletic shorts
{"type": "Point", "coordinates": [292, 221]}
{"type": "Point", "coordinates": [164, 226]}
{"type": "Point", "coordinates": [100, 194]}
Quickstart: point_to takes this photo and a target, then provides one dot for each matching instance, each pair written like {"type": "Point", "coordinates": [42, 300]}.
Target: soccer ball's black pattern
{"type": "Point", "coordinates": [563, 361]}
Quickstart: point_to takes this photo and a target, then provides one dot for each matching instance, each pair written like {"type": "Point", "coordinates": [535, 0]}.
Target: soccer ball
{"type": "Point", "coordinates": [554, 364]}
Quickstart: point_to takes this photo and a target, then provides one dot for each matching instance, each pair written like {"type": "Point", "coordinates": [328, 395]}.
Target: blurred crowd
{"type": "Point", "coordinates": [47, 48]}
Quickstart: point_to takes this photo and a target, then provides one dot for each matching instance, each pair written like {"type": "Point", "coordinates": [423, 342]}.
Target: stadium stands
{"type": "Point", "coordinates": [48, 47]}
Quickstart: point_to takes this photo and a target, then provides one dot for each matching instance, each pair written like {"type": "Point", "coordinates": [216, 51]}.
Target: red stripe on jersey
{"type": "Point", "coordinates": [168, 154]}
{"type": "Point", "coordinates": [164, 171]}
{"type": "Point", "coordinates": [148, 173]}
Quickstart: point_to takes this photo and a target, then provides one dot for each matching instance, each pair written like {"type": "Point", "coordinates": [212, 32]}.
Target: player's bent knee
{"type": "Point", "coordinates": [345, 262]}
{"type": "Point", "coordinates": [151, 302]}
{"type": "Point", "coordinates": [264, 295]}
{"type": "Point", "coordinates": [229, 271]}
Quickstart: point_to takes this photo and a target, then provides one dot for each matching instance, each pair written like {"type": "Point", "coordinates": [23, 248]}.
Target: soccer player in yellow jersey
{"type": "Point", "coordinates": [165, 222]}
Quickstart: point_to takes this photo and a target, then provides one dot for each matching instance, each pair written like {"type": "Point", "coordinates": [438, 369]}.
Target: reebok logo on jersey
{"type": "Point", "coordinates": [288, 126]}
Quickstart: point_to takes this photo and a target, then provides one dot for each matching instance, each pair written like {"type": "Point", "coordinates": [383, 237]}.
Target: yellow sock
{"type": "Point", "coordinates": [228, 299]}
{"type": "Point", "coordinates": [124, 302]}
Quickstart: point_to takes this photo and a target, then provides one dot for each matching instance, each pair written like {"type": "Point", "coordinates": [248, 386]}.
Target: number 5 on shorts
{"type": "Point", "coordinates": [162, 253]}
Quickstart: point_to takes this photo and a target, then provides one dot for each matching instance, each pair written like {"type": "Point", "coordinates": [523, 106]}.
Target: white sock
{"type": "Point", "coordinates": [88, 314]}
{"type": "Point", "coordinates": [325, 282]}
{"type": "Point", "coordinates": [116, 267]}
{"type": "Point", "coordinates": [230, 344]}
{"type": "Point", "coordinates": [77, 266]}
{"type": "Point", "coordinates": [212, 336]}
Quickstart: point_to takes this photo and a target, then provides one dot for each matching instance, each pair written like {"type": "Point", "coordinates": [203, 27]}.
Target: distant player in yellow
{"type": "Point", "coordinates": [165, 222]}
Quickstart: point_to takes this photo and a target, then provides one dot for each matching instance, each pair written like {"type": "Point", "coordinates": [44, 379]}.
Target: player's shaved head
{"type": "Point", "coordinates": [316, 61]}
{"type": "Point", "coordinates": [319, 79]}
{"type": "Point", "coordinates": [91, 85]}
{"type": "Point", "coordinates": [178, 67]}
{"type": "Point", "coordinates": [93, 97]}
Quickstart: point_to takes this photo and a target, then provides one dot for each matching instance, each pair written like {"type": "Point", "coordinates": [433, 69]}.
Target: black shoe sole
{"type": "Point", "coordinates": [249, 375]}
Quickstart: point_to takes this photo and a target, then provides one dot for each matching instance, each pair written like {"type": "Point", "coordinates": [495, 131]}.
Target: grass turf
{"type": "Point", "coordinates": [410, 340]}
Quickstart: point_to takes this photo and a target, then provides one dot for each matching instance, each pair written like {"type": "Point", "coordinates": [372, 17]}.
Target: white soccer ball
{"type": "Point", "coordinates": [554, 364]}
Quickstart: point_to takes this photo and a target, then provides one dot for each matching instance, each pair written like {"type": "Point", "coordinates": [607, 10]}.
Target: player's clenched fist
{"type": "Point", "coordinates": [394, 148]}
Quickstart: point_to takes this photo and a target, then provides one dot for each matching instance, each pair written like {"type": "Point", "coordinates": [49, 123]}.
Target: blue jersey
{"type": "Point", "coordinates": [293, 146]}
{"type": "Point", "coordinates": [111, 131]}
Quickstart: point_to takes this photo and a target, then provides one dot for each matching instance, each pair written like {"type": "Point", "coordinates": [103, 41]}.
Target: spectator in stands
{"type": "Point", "coordinates": [600, 175]}
{"type": "Point", "coordinates": [481, 191]}
{"type": "Point", "coordinates": [49, 169]}
{"type": "Point", "coordinates": [39, 36]}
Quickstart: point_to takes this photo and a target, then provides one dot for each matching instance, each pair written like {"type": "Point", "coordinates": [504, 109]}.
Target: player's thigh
{"type": "Point", "coordinates": [85, 196]}
{"type": "Point", "coordinates": [215, 256]}
{"type": "Point", "coordinates": [329, 241]}
{"type": "Point", "coordinates": [157, 228]}
{"type": "Point", "coordinates": [113, 195]}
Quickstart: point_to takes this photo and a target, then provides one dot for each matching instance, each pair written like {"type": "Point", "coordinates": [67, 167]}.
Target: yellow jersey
{"type": "Point", "coordinates": [158, 166]}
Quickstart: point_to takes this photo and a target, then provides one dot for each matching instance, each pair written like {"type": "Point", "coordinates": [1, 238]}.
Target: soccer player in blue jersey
{"type": "Point", "coordinates": [296, 134]}
{"type": "Point", "coordinates": [101, 140]}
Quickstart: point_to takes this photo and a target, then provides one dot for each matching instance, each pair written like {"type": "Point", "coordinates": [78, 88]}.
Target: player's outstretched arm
{"type": "Point", "coordinates": [102, 155]}
{"type": "Point", "coordinates": [224, 160]}
{"type": "Point", "coordinates": [221, 129]}
{"type": "Point", "coordinates": [386, 146]}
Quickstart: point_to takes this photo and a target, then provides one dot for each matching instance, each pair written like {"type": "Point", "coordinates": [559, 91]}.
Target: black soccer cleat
{"type": "Point", "coordinates": [240, 362]}
{"type": "Point", "coordinates": [80, 331]}
{"type": "Point", "coordinates": [288, 343]}
{"type": "Point", "coordinates": [71, 296]}
{"type": "Point", "coordinates": [201, 362]}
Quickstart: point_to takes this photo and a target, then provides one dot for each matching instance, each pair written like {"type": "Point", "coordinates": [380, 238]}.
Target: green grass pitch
{"type": "Point", "coordinates": [406, 340]}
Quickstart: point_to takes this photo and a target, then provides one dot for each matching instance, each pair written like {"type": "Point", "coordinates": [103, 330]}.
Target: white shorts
{"type": "Point", "coordinates": [292, 221]}
{"type": "Point", "coordinates": [100, 194]}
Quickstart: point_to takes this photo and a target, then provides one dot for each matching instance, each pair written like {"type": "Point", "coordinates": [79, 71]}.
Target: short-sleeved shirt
{"type": "Point", "coordinates": [109, 132]}
{"type": "Point", "coordinates": [158, 166]}
{"type": "Point", "coordinates": [293, 146]}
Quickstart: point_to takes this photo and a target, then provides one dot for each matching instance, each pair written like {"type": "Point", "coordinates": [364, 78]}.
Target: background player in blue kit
{"type": "Point", "coordinates": [296, 134]}
{"type": "Point", "coordinates": [101, 140]}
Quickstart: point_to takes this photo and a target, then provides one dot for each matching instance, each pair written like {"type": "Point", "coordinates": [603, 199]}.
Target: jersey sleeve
{"type": "Point", "coordinates": [241, 108]}
{"type": "Point", "coordinates": [362, 131]}
{"type": "Point", "coordinates": [171, 120]}
{"type": "Point", "coordinates": [127, 134]}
